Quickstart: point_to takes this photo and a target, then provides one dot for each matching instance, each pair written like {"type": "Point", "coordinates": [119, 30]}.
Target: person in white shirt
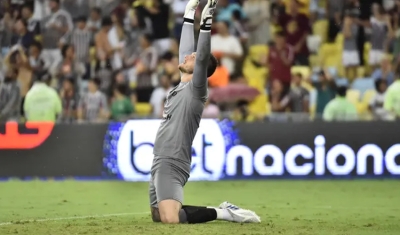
{"type": "Point", "coordinates": [226, 47]}
{"type": "Point", "coordinates": [159, 94]}
{"type": "Point", "coordinates": [376, 103]}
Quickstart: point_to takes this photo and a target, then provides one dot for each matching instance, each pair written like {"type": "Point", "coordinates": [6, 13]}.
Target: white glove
{"type": "Point", "coordinates": [191, 9]}
{"type": "Point", "coordinates": [208, 11]}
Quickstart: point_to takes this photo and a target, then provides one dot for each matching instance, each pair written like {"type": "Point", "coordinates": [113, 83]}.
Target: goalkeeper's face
{"type": "Point", "coordinates": [188, 64]}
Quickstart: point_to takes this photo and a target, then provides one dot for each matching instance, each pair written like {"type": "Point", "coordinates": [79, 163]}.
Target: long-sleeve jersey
{"type": "Point", "coordinates": [185, 103]}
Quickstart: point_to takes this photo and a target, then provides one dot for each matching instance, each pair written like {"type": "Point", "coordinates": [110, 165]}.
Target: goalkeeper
{"type": "Point", "coordinates": [182, 113]}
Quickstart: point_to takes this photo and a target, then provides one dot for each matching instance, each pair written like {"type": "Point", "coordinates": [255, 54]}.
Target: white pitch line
{"type": "Point", "coordinates": [72, 218]}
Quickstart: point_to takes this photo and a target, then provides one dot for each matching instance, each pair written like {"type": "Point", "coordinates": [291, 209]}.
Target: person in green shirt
{"type": "Point", "coordinates": [42, 102]}
{"type": "Point", "coordinates": [392, 98]}
{"type": "Point", "coordinates": [340, 109]}
{"type": "Point", "coordinates": [121, 106]}
{"type": "Point", "coordinates": [326, 88]}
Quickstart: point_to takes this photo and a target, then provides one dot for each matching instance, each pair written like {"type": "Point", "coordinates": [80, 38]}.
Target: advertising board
{"type": "Point", "coordinates": [224, 150]}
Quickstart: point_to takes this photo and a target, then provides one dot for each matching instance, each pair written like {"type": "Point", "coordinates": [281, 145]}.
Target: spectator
{"type": "Point", "coordinates": [159, 94]}
{"type": "Point", "coordinates": [392, 98]}
{"type": "Point", "coordinates": [178, 8]}
{"type": "Point", "coordinates": [70, 100]}
{"type": "Point", "coordinates": [54, 28]}
{"type": "Point", "coordinates": [41, 9]}
{"type": "Point", "coordinates": [171, 68]}
{"type": "Point", "coordinates": [17, 59]}
{"type": "Point", "coordinates": [22, 37]}
{"type": "Point", "coordinates": [280, 59]}
{"type": "Point", "coordinates": [326, 89]}
{"type": "Point", "coordinates": [350, 57]}
{"type": "Point", "coordinates": [381, 35]}
{"type": "Point", "coordinates": [220, 78]}
{"type": "Point", "coordinates": [69, 67]}
{"type": "Point", "coordinates": [145, 68]}
{"type": "Point", "coordinates": [158, 13]}
{"type": "Point", "coordinates": [80, 38]}
{"type": "Point", "coordinates": [278, 97]}
{"type": "Point", "coordinates": [334, 10]}
{"type": "Point", "coordinates": [242, 113]}
{"type": "Point", "coordinates": [103, 47]}
{"type": "Point", "coordinates": [42, 102]}
{"type": "Point", "coordinates": [340, 109]}
{"type": "Point", "coordinates": [211, 110]}
{"type": "Point", "coordinates": [116, 37]}
{"type": "Point", "coordinates": [6, 28]}
{"type": "Point", "coordinates": [226, 47]}
{"type": "Point", "coordinates": [94, 21]}
{"type": "Point", "coordinates": [121, 106]}
{"type": "Point", "coordinates": [106, 6]}
{"type": "Point", "coordinates": [76, 8]}
{"type": "Point", "coordinates": [299, 97]}
{"type": "Point", "coordinates": [35, 57]}
{"type": "Point", "coordinates": [93, 105]}
{"type": "Point", "coordinates": [258, 13]}
{"type": "Point", "coordinates": [33, 24]}
{"type": "Point", "coordinates": [296, 27]}
{"type": "Point", "coordinates": [226, 9]}
{"type": "Point", "coordinates": [376, 103]}
{"type": "Point", "coordinates": [9, 97]}
{"type": "Point", "coordinates": [238, 28]}
{"type": "Point", "coordinates": [278, 8]}
{"type": "Point", "coordinates": [385, 72]}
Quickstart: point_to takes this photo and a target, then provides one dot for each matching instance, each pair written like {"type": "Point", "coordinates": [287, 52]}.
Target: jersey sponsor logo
{"type": "Point", "coordinates": [32, 135]}
{"type": "Point", "coordinates": [167, 117]}
{"type": "Point", "coordinates": [135, 150]}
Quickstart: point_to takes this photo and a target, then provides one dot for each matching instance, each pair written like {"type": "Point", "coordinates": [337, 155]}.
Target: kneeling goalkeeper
{"type": "Point", "coordinates": [182, 113]}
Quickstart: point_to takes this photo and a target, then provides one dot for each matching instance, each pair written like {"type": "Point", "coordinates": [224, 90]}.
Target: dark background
{"type": "Point", "coordinates": [70, 150]}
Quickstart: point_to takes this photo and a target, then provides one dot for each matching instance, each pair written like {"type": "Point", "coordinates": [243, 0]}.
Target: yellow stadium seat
{"type": "Point", "coordinates": [361, 72]}
{"type": "Point", "coordinates": [305, 71]}
{"type": "Point", "coordinates": [353, 96]}
{"type": "Point", "coordinates": [143, 109]}
{"type": "Point", "coordinates": [320, 28]}
{"type": "Point", "coordinates": [258, 50]}
{"type": "Point", "coordinates": [367, 48]}
{"type": "Point", "coordinates": [339, 40]}
{"type": "Point", "coordinates": [313, 111]}
{"type": "Point", "coordinates": [330, 55]}
{"type": "Point", "coordinates": [255, 77]}
{"type": "Point", "coordinates": [368, 96]}
{"type": "Point", "coordinates": [313, 61]}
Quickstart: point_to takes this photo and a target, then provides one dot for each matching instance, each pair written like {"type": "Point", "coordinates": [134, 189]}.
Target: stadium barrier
{"type": "Point", "coordinates": [221, 150]}
{"type": "Point", "coordinates": [48, 150]}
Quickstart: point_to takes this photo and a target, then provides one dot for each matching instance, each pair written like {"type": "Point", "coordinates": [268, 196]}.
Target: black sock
{"type": "Point", "coordinates": [197, 214]}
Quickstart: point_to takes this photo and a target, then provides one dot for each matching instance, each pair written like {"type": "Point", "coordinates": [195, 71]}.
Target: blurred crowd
{"type": "Point", "coordinates": [279, 60]}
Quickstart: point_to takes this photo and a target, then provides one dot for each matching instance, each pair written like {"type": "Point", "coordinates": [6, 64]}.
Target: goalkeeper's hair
{"type": "Point", "coordinates": [212, 66]}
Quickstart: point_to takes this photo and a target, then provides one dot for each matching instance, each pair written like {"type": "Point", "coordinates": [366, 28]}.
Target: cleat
{"type": "Point", "coordinates": [240, 215]}
{"type": "Point", "coordinates": [244, 216]}
{"type": "Point", "coordinates": [228, 205]}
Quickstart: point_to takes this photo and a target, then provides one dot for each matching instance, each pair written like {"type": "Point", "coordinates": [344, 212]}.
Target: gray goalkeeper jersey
{"type": "Point", "coordinates": [184, 105]}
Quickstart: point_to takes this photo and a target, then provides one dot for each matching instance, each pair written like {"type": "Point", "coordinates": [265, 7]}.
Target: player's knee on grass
{"type": "Point", "coordinates": [169, 211]}
{"type": "Point", "coordinates": [155, 215]}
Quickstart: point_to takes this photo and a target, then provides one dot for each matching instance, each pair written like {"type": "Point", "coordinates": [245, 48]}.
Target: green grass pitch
{"type": "Point", "coordinates": [286, 207]}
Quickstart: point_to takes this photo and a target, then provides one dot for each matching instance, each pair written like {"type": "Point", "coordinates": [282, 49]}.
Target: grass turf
{"type": "Point", "coordinates": [286, 207]}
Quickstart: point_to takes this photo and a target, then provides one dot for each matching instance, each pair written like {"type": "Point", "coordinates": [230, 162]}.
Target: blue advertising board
{"type": "Point", "coordinates": [225, 150]}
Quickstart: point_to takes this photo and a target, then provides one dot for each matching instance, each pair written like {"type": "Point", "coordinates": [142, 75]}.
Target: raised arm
{"type": "Point", "coordinates": [186, 46]}
{"type": "Point", "coordinates": [203, 53]}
